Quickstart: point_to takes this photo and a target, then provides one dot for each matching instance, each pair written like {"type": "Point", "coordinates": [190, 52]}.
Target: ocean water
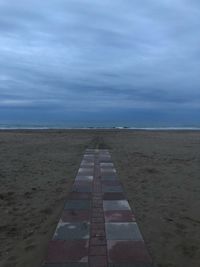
{"type": "Point", "coordinates": [133, 126]}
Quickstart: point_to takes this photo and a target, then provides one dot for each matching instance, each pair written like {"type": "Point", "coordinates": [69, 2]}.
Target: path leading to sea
{"type": "Point", "coordinates": [97, 227]}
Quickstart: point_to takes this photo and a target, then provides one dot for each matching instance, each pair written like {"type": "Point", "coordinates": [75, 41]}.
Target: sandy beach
{"type": "Point", "coordinates": [160, 171]}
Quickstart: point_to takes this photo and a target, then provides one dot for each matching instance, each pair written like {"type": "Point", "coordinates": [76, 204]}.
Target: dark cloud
{"type": "Point", "coordinates": [96, 55]}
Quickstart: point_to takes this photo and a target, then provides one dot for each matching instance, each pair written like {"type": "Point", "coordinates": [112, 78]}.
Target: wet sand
{"type": "Point", "coordinates": [160, 172]}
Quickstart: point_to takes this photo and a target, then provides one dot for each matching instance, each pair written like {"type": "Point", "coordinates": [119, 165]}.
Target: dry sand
{"type": "Point", "coordinates": [160, 172]}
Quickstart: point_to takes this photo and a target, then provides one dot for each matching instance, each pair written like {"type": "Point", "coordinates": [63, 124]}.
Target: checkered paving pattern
{"type": "Point", "coordinates": [97, 227]}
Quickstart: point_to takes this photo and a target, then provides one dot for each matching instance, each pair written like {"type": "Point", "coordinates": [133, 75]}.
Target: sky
{"type": "Point", "coordinates": [100, 61]}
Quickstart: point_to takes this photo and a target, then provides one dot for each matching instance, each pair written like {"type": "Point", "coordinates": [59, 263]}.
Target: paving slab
{"type": "Point", "coordinates": [112, 188]}
{"type": "Point", "coordinates": [119, 216]}
{"type": "Point", "coordinates": [98, 250]}
{"type": "Point", "coordinates": [109, 177]}
{"type": "Point", "coordinates": [85, 178]}
{"type": "Point", "coordinates": [82, 187]}
{"type": "Point", "coordinates": [88, 157]}
{"type": "Point", "coordinates": [85, 181]}
{"type": "Point", "coordinates": [116, 205]}
{"type": "Point", "coordinates": [62, 251]}
{"type": "Point", "coordinates": [111, 182]}
{"type": "Point", "coordinates": [113, 196]}
{"type": "Point", "coordinates": [91, 160]}
{"type": "Point", "coordinates": [86, 171]}
{"type": "Point", "coordinates": [87, 163]}
{"type": "Point", "coordinates": [106, 164]}
{"type": "Point", "coordinates": [72, 231]}
{"type": "Point", "coordinates": [79, 195]}
{"type": "Point", "coordinates": [134, 252]}
{"type": "Point", "coordinates": [75, 215]}
{"type": "Point", "coordinates": [130, 265]}
{"type": "Point", "coordinates": [107, 172]}
{"type": "Point", "coordinates": [105, 160]}
{"type": "Point", "coordinates": [78, 205]}
{"type": "Point", "coordinates": [71, 264]}
{"type": "Point", "coordinates": [123, 231]}
{"type": "Point", "coordinates": [98, 261]}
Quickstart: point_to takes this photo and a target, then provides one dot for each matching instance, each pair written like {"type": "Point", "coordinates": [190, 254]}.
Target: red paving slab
{"type": "Point", "coordinates": [98, 226]}
{"type": "Point", "coordinates": [98, 241]}
{"type": "Point", "coordinates": [97, 232]}
{"type": "Point", "coordinates": [133, 252]}
{"type": "Point", "coordinates": [61, 251]}
{"type": "Point", "coordinates": [98, 261]}
{"type": "Point", "coordinates": [96, 172]}
{"type": "Point", "coordinates": [119, 216]}
{"type": "Point", "coordinates": [98, 250]}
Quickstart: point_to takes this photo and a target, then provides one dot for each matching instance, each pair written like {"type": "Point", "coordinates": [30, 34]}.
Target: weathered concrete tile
{"type": "Point", "coordinates": [79, 195]}
{"type": "Point", "coordinates": [75, 216]}
{"type": "Point", "coordinates": [115, 182]}
{"type": "Point", "coordinates": [98, 261]}
{"type": "Point", "coordinates": [98, 251]}
{"type": "Point", "coordinates": [113, 196]}
{"type": "Point", "coordinates": [116, 205]}
{"type": "Point", "coordinates": [72, 231]}
{"type": "Point", "coordinates": [123, 231]}
{"type": "Point", "coordinates": [119, 216]}
{"type": "Point", "coordinates": [82, 187]}
{"type": "Point", "coordinates": [84, 178]}
{"type": "Point", "coordinates": [107, 170]}
{"type": "Point", "coordinates": [71, 264]}
{"type": "Point", "coordinates": [105, 160]}
{"type": "Point", "coordinates": [128, 252]}
{"type": "Point", "coordinates": [129, 265]}
{"type": "Point", "coordinates": [109, 177]}
{"type": "Point", "coordinates": [86, 164]}
{"type": "Point", "coordinates": [85, 171]}
{"type": "Point", "coordinates": [106, 164]}
{"type": "Point", "coordinates": [88, 169]}
{"type": "Point", "coordinates": [110, 189]}
{"type": "Point", "coordinates": [77, 205]}
{"type": "Point", "coordinates": [63, 252]}
{"type": "Point", "coordinates": [88, 156]}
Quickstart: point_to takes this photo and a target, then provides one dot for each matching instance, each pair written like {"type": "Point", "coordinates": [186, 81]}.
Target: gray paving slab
{"type": "Point", "coordinates": [88, 156]}
{"type": "Point", "coordinates": [87, 164]}
{"type": "Point", "coordinates": [86, 178]}
{"type": "Point", "coordinates": [86, 169]}
{"type": "Point", "coordinates": [77, 204]}
{"type": "Point", "coordinates": [82, 188]}
{"type": "Point", "coordinates": [130, 265]}
{"type": "Point", "coordinates": [123, 231]}
{"type": "Point", "coordinates": [108, 164]}
{"type": "Point", "coordinates": [109, 177]}
{"type": "Point", "coordinates": [71, 264]}
{"type": "Point", "coordinates": [107, 170]}
{"type": "Point", "coordinates": [116, 205]}
{"type": "Point", "coordinates": [104, 157]}
{"type": "Point", "coordinates": [72, 231]}
{"type": "Point", "coordinates": [112, 189]}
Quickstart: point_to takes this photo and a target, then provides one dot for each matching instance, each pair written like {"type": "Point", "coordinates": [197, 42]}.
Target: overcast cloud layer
{"type": "Point", "coordinates": [95, 56]}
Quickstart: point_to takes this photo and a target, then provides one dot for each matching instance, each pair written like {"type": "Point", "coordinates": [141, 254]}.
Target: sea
{"type": "Point", "coordinates": [89, 125]}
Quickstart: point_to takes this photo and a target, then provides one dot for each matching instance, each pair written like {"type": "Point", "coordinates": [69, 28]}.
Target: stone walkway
{"type": "Point", "coordinates": [97, 227]}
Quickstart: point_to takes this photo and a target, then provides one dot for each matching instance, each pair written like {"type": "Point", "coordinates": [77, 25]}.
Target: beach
{"type": "Point", "coordinates": [160, 171]}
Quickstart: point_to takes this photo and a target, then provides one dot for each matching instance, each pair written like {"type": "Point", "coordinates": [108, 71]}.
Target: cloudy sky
{"type": "Point", "coordinates": [87, 60]}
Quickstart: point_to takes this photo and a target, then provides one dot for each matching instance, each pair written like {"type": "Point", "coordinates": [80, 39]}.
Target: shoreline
{"type": "Point", "coordinates": [101, 128]}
